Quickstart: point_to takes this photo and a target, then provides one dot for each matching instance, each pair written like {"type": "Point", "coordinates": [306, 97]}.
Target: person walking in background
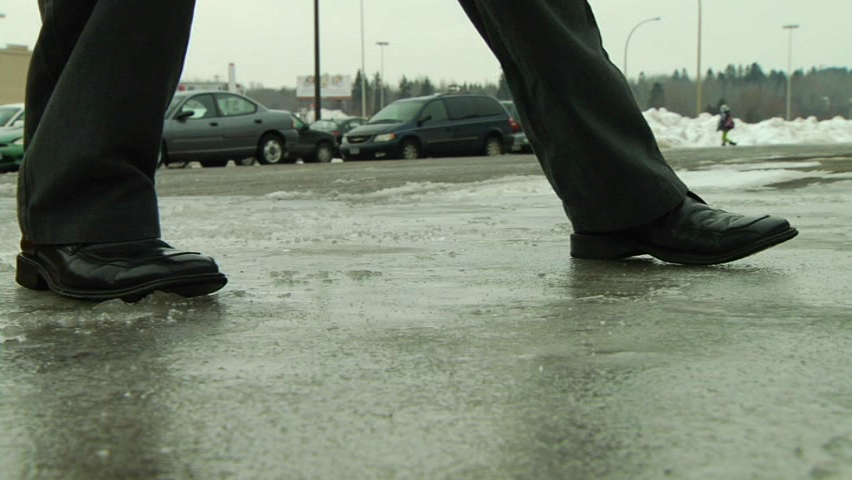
{"type": "Point", "coordinates": [87, 205]}
{"type": "Point", "coordinates": [726, 124]}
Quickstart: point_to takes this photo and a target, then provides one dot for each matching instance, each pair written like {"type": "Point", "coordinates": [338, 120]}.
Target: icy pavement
{"type": "Point", "coordinates": [425, 320]}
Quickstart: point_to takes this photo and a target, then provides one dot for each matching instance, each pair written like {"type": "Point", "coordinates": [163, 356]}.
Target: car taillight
{"type": "Point", "coordinates": [514, 125]}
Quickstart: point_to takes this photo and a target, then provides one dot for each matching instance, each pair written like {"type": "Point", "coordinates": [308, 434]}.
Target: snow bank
{"type": "Point", "coordinates": [675, 131]}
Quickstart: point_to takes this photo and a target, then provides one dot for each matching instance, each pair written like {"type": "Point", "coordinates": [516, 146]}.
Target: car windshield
{"type": "Point", "coordinates": [397, 112]}
{"type": "Point", "coordinates": [6, 114]}
{"type": "Point", "coordinates": [324, 125]}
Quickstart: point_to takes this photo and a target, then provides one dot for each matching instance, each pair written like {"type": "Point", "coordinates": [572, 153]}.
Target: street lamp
{"type": "Point", "coordinates": [790, 29]}
{"type": "Point", "coordinates": [363, 68]}
{"type": "Point", "coordinates": [382, 46]}
{"type": "Point", "coordinates": [317, 78]}
{"type": "Point", "coordinates": [698, 101]}
{"type": "Point", "coordinates": [630, 35]}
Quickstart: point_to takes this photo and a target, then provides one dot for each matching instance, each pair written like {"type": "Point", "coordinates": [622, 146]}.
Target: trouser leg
{"type": "Point", "coordinates": [592, 141]}
{"type": "Point", "coordinates": [101, 77]}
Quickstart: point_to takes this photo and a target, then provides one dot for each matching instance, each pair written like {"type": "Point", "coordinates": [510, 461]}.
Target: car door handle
{"type": "Point", "coordinates": [214, 124]}
{"type": "Point", "coordinates": [258, 121]}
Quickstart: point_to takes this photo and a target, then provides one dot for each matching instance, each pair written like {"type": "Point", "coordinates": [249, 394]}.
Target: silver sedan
{"type": "Point", "coordinates": [213, 127]}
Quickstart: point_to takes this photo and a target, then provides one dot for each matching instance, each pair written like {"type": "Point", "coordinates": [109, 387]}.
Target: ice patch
{"type": "Point", "coordinates": [8, 189]}
{"type": "Point", "coordinates": [732, 180]}
{"type": "Point", "coordinates": [511, 187]}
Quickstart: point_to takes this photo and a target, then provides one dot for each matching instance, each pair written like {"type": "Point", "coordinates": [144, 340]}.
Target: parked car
{"type": "Point", "coordinates": [12, 115]}
{"type": "Point", "coordinates": [520, 142]}
{"type": "Point", "coordinates": [11, 149]}
{"type": "Point", "coordinates": [213, 127]}
{"type": "Point", "coordinates": [443, 124]}
{"type": "Point", "coordinates": [338, 128]}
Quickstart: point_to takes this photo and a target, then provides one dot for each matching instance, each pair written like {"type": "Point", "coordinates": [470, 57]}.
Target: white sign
{"type": "Point", "coordinates": [332, 86]}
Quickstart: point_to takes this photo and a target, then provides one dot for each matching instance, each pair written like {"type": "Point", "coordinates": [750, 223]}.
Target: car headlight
{"type": "Point", "coordinates": [19, 141]}
{"type": "Point", "coordinates": [385, 137]}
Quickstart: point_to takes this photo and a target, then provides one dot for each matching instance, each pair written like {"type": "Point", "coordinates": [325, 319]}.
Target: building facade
{"type": "Point", "coordinates": [14, 63]}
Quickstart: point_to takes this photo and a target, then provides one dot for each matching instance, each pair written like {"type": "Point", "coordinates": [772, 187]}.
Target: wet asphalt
{"type": "Point", "coordinates": [425, 320]}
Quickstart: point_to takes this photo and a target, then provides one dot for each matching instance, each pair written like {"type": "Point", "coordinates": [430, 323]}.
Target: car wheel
{"type": "Point", "coordinates": [161, 157]}
{"type": "Point", "coordinates": [270, 150]}
{"type": "Point", "coordinates": [214, 163]}
{"type": "Point", "coordinates": [163, 160]}
{"type": "Point", "coordinates": [324, 153]}
{"type": "Point", "coordinates": [409, 150]}
{"type": "Point", "coordinates": [244, 162]}
{"type": "Point", "coordinates": [493, 146]}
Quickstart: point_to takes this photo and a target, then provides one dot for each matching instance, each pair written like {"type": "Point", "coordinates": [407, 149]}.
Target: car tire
{"type": "Point", "coordinates": [270, 150]}
{"type": "Point", "coordinates": [163, 159]}
{"type": "Point", "coordinates": [493, 146]}
{"type": "Point", "coordinates": [409, 150]}
{"type": "Point", "coordinates": [214, 163]}
{"type": "Point", "coordinates": [324, 153]}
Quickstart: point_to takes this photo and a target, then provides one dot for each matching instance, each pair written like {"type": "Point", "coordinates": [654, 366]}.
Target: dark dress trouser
{"type": "Point", "coordinates": [101, 77]}
{"type": "Point", "coordinates": [104, 71]}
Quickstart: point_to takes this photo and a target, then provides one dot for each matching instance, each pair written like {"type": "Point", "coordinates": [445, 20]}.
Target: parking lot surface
{"type": "Point", "coordinates": [424, 319]}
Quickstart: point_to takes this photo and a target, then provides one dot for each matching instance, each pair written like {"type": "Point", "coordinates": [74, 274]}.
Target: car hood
{"type": "Point", "coordinates": [376, 129]}
{"type": "Point", "coordinates": [11, 134]}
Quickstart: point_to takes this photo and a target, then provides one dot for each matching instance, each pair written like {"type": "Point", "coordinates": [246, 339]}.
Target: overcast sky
{"type": "Point", "coordinates": [271, 41]}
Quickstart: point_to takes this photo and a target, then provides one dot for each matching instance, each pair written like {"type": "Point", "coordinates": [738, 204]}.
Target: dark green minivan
{"type": "Point", "coordinates": [436, 125]}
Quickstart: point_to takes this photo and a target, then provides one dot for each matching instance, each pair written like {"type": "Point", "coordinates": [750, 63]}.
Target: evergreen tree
{"type": "Point", "coordinates": [503, 92]}
{"type": "Point", "coordinates": [426, 87]}
{"type": "Point", "coordinates": [754, 74]}
{"type": "Point", "coordinates": [405, 88]}
{"type": "Point", "coordinates": [356, 92]}
{"type": "Point", "coordinates": [658, 96]}
{"type": "Point", "coordinates": [376, 97]}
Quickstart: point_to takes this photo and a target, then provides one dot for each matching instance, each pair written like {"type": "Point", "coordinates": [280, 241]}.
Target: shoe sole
{"type": "Point", "coordinates": [595, 247]}
{"type": "Point", "coordinates": [30, 274]}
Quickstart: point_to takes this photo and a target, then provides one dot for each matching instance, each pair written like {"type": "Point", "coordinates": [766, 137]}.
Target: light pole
{"type": "Point", "coordinates": [363, 68]}
{"type": "Point", "coordinates": [655, 19]}
{"type": "Point", "coordinates": [317, 78]}
{"type": "Point", "coordinates": [790, 29]}
{"type": "Point", "coordinates": [382, 46]}
{"type": "Point", "coordinates": [698, 101]}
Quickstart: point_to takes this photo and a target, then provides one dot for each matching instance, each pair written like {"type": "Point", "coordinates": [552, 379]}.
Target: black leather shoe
{"type": "Point", "coordinates": [125, 270]}
{"type": "Point", "coordinates": [692, 234]}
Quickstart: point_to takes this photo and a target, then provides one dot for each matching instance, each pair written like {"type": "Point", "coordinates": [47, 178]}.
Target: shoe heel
{"type": "Point", "coordinates": [600, 247]}
{"type": "Point", "coordinates": [27, 275]}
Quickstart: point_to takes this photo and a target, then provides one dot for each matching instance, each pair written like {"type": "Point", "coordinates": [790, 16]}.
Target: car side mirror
{"type": "Point", "coordinates": [424, 119]}
{"type": "Point", "coordinates": [182, 116]}
{"type": "Point", "coordinates": [18, 124]}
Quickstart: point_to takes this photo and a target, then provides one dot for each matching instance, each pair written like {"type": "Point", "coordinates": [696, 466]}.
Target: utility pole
{"type": "Point", "coordinates": [382, 46]}
{"type": "Point", "coordinates": [317, 78]}
{"type": "Point", "coordinates": [790, 29]}
{"type": "Point", "coordinates": [698, 100]}
{"type": "Point", "coordinates": [627, 43]}
{"type": "Point", "coordinates": [363, 68]}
